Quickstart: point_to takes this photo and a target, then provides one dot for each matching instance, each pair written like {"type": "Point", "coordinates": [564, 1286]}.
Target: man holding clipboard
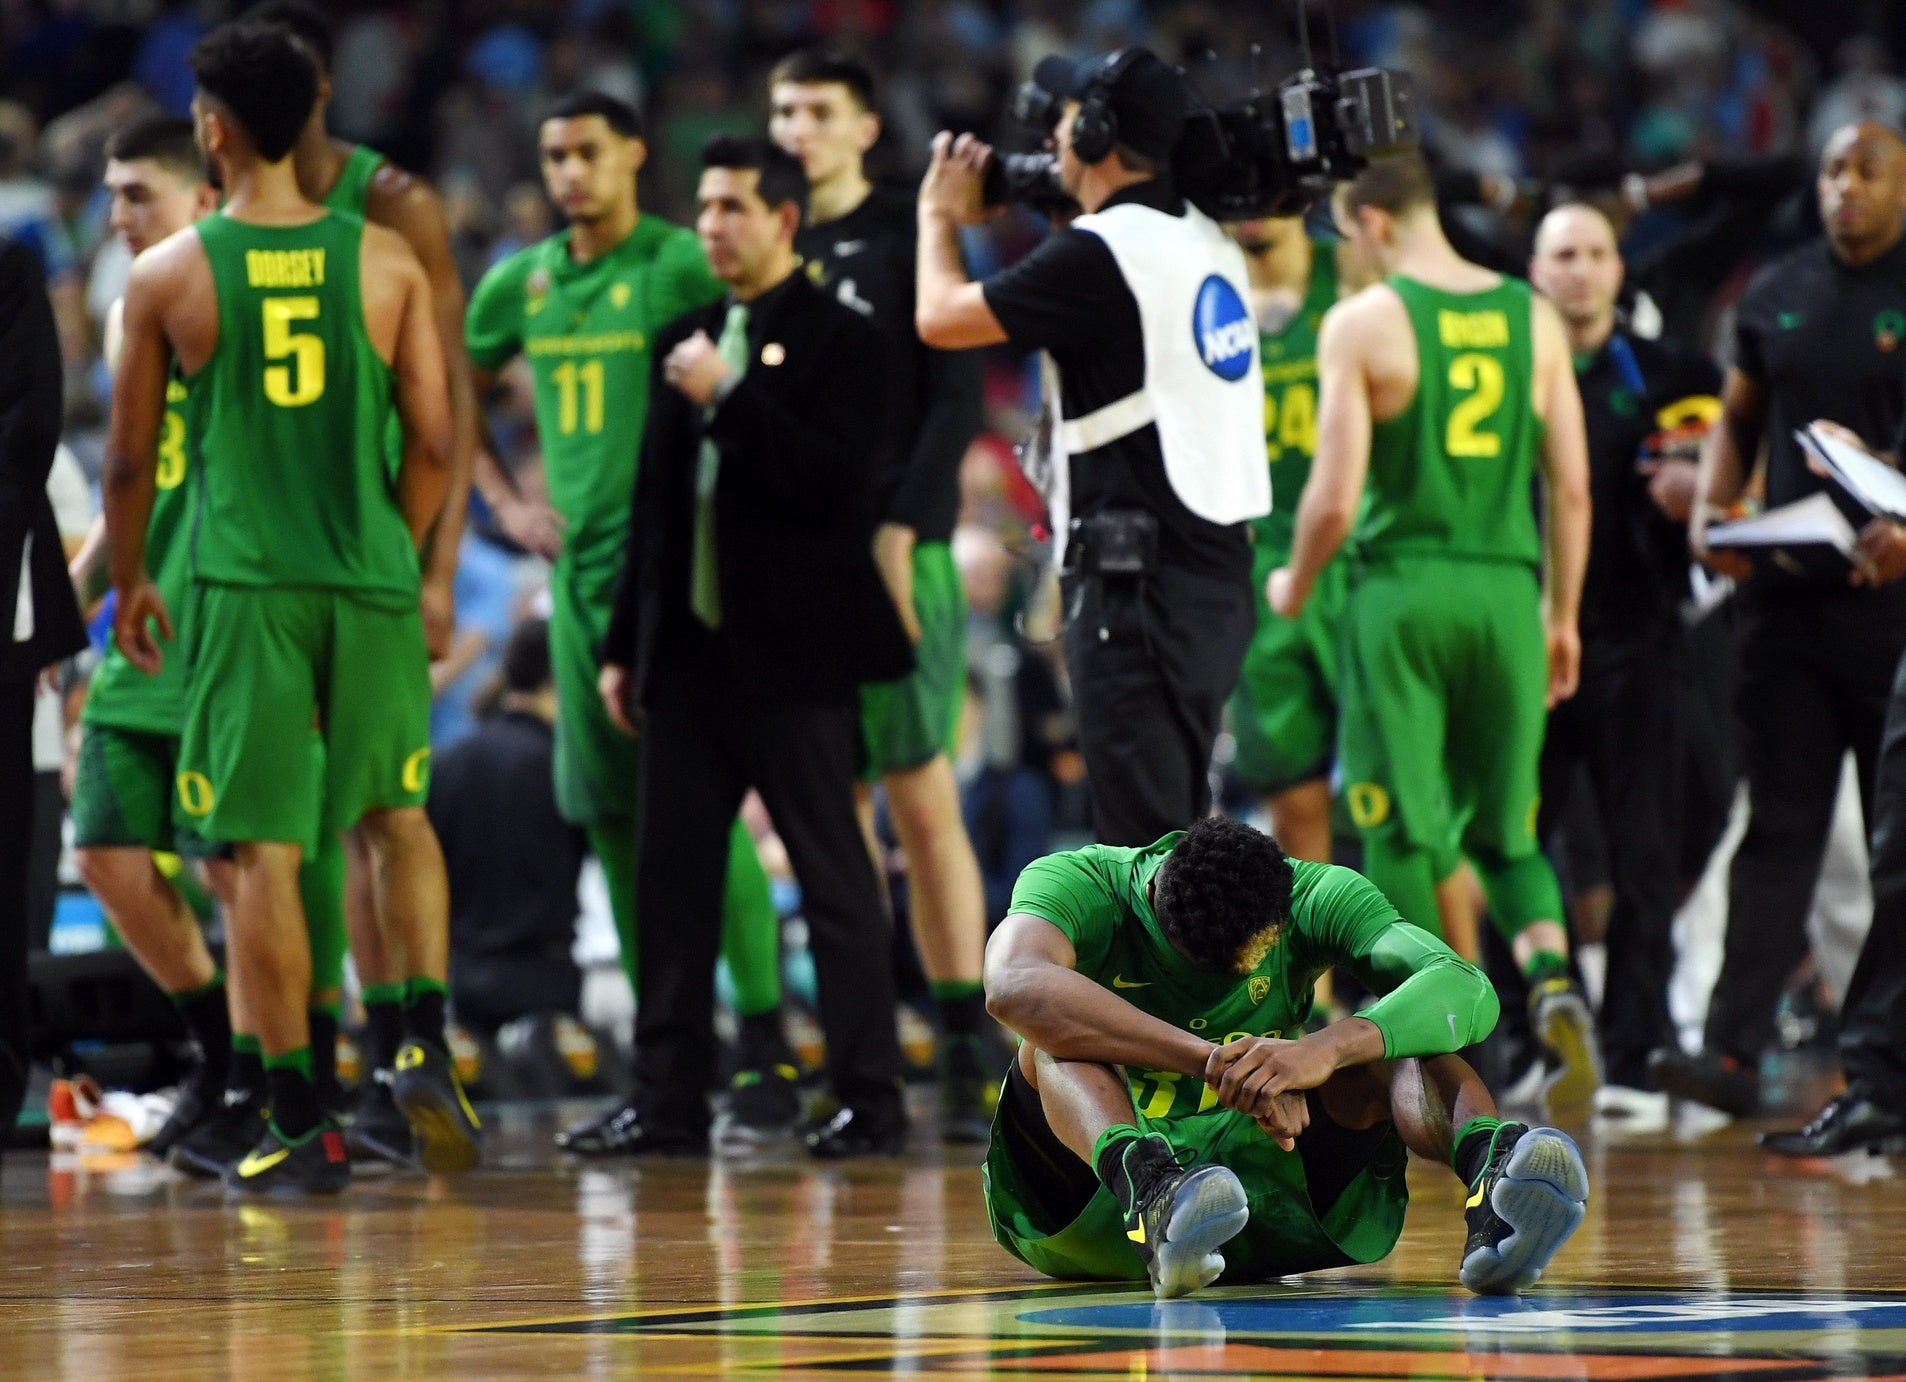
{"type": "Point", "coordinates": [1819, 333]}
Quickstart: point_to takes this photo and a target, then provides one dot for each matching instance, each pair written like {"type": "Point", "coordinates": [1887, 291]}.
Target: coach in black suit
{"type": "Point", "coordinates": [748, 614]}
{"type": "Point", "coordinates": [38, 625]}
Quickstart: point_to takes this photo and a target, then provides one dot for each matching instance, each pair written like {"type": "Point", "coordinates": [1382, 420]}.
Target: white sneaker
{"type": "Point", "coordinates": [1632, 1106]}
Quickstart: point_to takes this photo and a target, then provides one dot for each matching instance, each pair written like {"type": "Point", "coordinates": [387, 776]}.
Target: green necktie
{"type": "Point", "coordinates": [704, 582]}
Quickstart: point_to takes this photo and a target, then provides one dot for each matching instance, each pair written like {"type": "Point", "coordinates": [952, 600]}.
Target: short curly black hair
{"type": "Point", "coordinates": [1223, 895]}
{"type": "Point", "coordinates": [264, 79]}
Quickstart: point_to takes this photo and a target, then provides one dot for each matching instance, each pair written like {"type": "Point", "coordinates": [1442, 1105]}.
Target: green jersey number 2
{"type": "Point", "coordinates": [1479, 377]}
{"type": "Point", "coordinates": [300, 379]}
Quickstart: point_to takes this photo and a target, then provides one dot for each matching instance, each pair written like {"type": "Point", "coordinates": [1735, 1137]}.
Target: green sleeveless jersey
{"type": "Point", "coordinates": [121, 695]}
{"type": "Point", "coordinates": [585, 329]}
{"type": "Point", "coordinates": [1453, 474]}
{"type": "Point", "coordinates": [354, 183]}
{"type": "Point", "coordinates": [1099, 897]}
{"type": "Point", "coordinates": [1289, 363]}
{"type": "Point", "coordinates": [295, 403]}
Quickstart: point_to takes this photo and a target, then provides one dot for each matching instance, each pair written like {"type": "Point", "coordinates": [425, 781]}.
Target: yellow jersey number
{"type": "Point", "coordinates": [1480, 378]}
{"type": "Point", "coordinates": [1155, 1091]}
{"type": "Point", "coordinates": [1290, 421]}
{"type": "Point", "coordinates": [300, 378]}
{"type": "Point", "coordinates": [578, 384]}
{"type": "Point", "coordinates": [171, 472]}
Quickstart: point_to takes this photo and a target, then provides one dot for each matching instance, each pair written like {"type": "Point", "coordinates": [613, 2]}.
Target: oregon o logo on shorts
{"type": "Point", "coordinates": [1369, 805]}
{"type": "Point", "coordinates": [196, 794]}
{"type": "Point", "coordinates": [1222, 329]}
{"type": "Point", "coordinates": [416, 771]}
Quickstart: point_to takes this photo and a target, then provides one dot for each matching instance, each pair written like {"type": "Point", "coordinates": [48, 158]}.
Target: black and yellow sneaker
{"type": "Point", "coordinates": [764, 1105]}
{"type": "Point", "coordinates": [378, 1131]}
{"type": "Point", "coordinates": [217, 1144]}
{"type": "Point", "coordinates": [200, 1100]}
{"type": "Point", "coordinates": [449, 1139]}
{"type": "Point", "coordinates": [968, 1094]}
{"type": "Point", "coordinates": [1562, 1022]}
{"type": "Point", "coordinates": [1527, 1202]}
{"type": "Point", "coordinates": [315, 1164]}
{"type": "Point", "coordinates": [1177, 1219]}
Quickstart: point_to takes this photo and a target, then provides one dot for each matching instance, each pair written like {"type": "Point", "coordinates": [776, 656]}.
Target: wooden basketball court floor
{"type": "Point", "coordinates": [1701, 1257]}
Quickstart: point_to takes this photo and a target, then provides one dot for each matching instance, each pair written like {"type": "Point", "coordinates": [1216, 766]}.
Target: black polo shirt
{"type": "Point", "coordinates": [1637, 557]}
{"type": "Point", "coordinates": [1827, 341]}
{"type": "Point", "coordinates": [867, 260]}
{"type": "Point", "coordinates": [1068, 298]}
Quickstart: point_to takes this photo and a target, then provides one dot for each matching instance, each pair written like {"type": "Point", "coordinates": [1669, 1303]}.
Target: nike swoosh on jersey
{"type": "Point", "coordinates": [255, 1165]}
{"type": "Point", "coordinates": [1119, 981]}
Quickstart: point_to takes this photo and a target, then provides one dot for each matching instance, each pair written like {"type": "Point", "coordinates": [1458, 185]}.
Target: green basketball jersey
{"type": "Point", "coordinates": [1289, 362]}
{"type": "Point", "coordinates": [121, 695]}
{"type": "Point", "coordinates": [354, 183]}
{"type": "Point", "coordinates": [1098, 897]}
{"type": "Point", "coordinates": [295, 404]}
{"type": "Point", "coordinates": [1452, 475]}
{"type": "Point", "coordinates": [586, 330]}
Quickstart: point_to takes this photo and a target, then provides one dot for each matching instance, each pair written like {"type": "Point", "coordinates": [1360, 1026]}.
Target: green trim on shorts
{"type": "Point", "coordinates": [905, 724]}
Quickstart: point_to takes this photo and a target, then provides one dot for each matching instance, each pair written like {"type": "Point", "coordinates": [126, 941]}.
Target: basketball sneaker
{"type": "Point", "coordinates": [1177, 1219]}
{"type": "Point", "coordinates": [968, 1095]}
{"type": "Point", "coordinates": [217, 1144]}
{"type": "Point", "coordinates": [1565, 1027]}
{"type": "Point", "coordinates": [315, 1164]}
{"type": "Point", "coordinates": [1527, 1202]}
{"type": "Point", "coordinates": [200, 1098]}
{"type": "Point", "coordinates": [378, 1130]}
{"type": "Point", "coordinates": [425, 1087]}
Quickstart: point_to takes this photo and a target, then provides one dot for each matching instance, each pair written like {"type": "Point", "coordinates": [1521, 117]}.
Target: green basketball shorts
{"type": "Point", "coordinates": [1444, 688]}
{"type": "Point", "coordinates": [596, 763]}
{"type": "Point", "coordinates": [270, 664]}
{"type": "Point", "coordinates": [905, 723]}
{"type": "Point", "coordinates": [1284, 711]}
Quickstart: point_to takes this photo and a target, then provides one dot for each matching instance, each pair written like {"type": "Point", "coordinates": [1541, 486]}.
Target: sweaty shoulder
{"type": "Point", "coordinates": [394, 193]}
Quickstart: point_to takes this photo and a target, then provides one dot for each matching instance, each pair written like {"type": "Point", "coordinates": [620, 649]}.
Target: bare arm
{"type": "Point", "coordinates": [88, 566]}
{"type": "Point", "coordinates": [415, 211]}
{"type": "Point", "coordinates": [1565, 461]}
{"type": "Point", "coordinates": [1728, 458]}
{"type": "Point", "coordinates": [423, 403]}
{"type": "Point", "coordinates": [1328, 508]}
{"type": "Point", "coordinates": [1031, 987]}
{"type": "Point", "coordinates": [950, 310]}
{"type": "Point", "coordinates": [128, 480]}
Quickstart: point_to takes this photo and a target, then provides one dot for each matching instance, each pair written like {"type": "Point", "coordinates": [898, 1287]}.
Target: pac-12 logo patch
{"type": "Point", "coordinates": [1223, 329]}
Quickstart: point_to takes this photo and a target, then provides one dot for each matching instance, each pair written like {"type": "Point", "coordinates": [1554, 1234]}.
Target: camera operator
{"type": "Point", "coordinates": [1141, 306]}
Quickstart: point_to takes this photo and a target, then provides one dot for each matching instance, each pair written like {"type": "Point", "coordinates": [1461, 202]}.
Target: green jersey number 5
{"type": "Point", "coordinates": [300, 380]}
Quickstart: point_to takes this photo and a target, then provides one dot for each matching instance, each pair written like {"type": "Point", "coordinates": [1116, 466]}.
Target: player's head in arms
{"type": "Point", "coordinates": [592, 147]}
{"type": "Point", "coordinates": [821, 110]}
{"type": "Point", "coordinates": [1576, 264]}
{"type": "Point", "coordinates": [156, 175]}
{"type": "Point", "coordinates": [752, 199]}
{"type": "Point", "coordinates": [1223, 895]}
{"type": "Point", "coordinates": [1862, 190]}
{"type": "Point", "coordinates": [1391, 203]}
{"type": "Point", "coordinates": [311, 27]}
{"type": "Point", "coordinates": [257, 86]}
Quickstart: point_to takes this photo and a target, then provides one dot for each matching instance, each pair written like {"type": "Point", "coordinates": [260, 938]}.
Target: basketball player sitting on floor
{"type": "Point", "coordinates": [1159, 1121]}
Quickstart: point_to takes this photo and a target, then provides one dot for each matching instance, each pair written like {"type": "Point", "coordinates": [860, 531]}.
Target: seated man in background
{"type": "Point", "coordinates": [1127, 1118]}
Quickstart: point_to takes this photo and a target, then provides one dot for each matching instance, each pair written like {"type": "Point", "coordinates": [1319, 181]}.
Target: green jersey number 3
{"type": "Point", "coordinates": [300, 379]}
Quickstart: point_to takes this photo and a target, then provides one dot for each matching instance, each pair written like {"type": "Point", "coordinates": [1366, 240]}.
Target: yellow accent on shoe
{"type": "Point", "coordinates": [1476, 1198]}
{"type": "Point", "coordinates": [410, 1056]}
{"type": "Point", "coordinates": [255, 1165]}
{"type": "Point", "coordinates": [1137, 1235]}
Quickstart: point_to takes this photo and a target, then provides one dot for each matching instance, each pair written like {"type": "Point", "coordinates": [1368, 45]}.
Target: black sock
{"type": "Point", "coordinates": [1123, 1162]}
{"type": "Point", "coordinates": [963, 1014]}
{"type": "Point", "coordinates": [762, 1042]}
{"type": "Point", "coordinates": [384, 1025]}
{"type": "Point", "coordinates": [324, 1052]}
{"type": "Point", "coordinates": [1473, 1148]}
{"type": "Point", "coordinates": [247, 1075]}
{"type": "Point", "coordinates": [425, 1013]}
{"type": "Point", "coordinates": [294, 1102]}
{"type": "Point", "coordinates": [208, 1018]}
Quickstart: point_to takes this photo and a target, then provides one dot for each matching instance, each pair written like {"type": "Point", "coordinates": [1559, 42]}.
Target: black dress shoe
{"type": "Point", "coordinates": [1850, 1121]}
{"type": "Point", "coordinates": [1718, 1081]}
{"type": "Point", "coordinates": [854, 1132]}
{"type": "Point", "coordinates": [623, 1133]}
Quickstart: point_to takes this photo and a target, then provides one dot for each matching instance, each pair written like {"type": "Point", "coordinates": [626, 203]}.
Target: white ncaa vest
{"type": "Point", "coordinates": [1202, 386]}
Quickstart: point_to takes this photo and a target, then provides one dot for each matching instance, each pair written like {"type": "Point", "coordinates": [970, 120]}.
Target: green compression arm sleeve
{"type": "Point", "coordinates": [1433, 1002]}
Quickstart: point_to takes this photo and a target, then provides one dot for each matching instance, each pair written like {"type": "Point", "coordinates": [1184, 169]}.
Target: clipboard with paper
{"type": "Point", "coordinates": [1809, 539]}
{"type": "Point", "coordinates": [1869, 482]}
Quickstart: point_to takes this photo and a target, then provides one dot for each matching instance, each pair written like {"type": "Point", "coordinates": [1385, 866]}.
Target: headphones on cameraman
{"type": "Point", "coordinates": [1095, 127]}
